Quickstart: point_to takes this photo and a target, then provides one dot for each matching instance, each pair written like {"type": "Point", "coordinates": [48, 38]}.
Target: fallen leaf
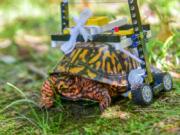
{"type": "Point", "coordinates": [175, 75]}
{"type": "Point", "coordinates": [174, 130]}
{"type": "Point", "coordinates": [116, 114]}
{"type": "Point", "coordinates": [170, 125]}
{"type": "Point", "coordinates": [124, 115]}
{"type": "Point", "coordinates": [5, 43]}
{"type": "Point", "coordinates": [28, 43]}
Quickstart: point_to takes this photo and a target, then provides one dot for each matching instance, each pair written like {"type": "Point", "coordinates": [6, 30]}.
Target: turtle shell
{"type": "Point", "coordinates": [99, 62]}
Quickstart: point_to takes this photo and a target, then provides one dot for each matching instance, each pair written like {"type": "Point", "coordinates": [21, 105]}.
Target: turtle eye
{"type": "Point", "coordinates": [70, 81]}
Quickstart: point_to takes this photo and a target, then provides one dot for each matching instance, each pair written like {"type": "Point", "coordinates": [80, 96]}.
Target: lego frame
{"type": "Point", "coordinates": [156, 81]}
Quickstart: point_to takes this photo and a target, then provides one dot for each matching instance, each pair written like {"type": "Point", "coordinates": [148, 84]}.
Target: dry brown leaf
{"type": "Point", "coordinates": [165, 32]}
{"type": "Point", "coordinates": [4, 43]}
{"type": "Point", "coordinates": [124, 115]}
{"type": "Point", "coordinates": [171, 125]}
{"type": "Point", "coordinates": [116, 114]}
{"type": "Point", "coordinates": [175, 75]}
{"type": "Point", "coordinates": [27, 43]}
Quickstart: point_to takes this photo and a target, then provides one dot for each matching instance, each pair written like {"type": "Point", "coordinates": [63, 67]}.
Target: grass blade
{"type": "Point", "coordinates": [18, 102]}
{"type": "Point", "coordinates": [17, 89]}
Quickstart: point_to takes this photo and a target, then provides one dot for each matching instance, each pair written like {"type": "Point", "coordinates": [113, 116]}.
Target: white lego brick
{"type": "Point", "coordinates": [148, 34]}
{"type": "Point", "coordinates": [125, 43]}
{"type": "Point", "coordinates": [65, 1]}
{"type": "Point", "coordinates": [55, 44]}
{"type": "Point", "coordinates": [112, 25]}
{"type": "Point", "coordinates": [94, 30]}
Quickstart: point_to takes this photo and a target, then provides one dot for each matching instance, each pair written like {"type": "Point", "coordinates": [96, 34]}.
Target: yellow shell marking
{"type": "Point", "coordinates": [109, 68]}
{"type": "Point", "coordinates": [72, 54]}
{"type": "Point", "coordinates": [126, 65]}
{"type": "Point", "coordinates": [115, 69]}
{"type": "Point", "coordinates": [106, 54]}
{"type": "Point", "coordinates": [103, 62]}
{"type": "Point", "coordinates": [61, 68]}
{"type": "Point", "coordinates": [98, 65]}
{"type": "Point", "coordinates": [83, 55]}
{"type": "Point", "coordinates": [76, 55]}
{"type": "Point", "coordinates": [113, 60]}
{"type": "Point", "coordinates": [76, 69]}
{"type": "Point", "coordinates": [91, 74]}
{"type": "Point", "coordinates": [113, 57]}
{"type": "Point", "coordinates": [95, 58]}
{"type": "Point", "coordinates": [119, 67]}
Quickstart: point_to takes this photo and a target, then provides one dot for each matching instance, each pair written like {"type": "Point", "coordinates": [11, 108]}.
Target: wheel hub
{"type": "Point", "coordinates": [167, 82]}
{"type": "Point", "coordinates": [147, 93]}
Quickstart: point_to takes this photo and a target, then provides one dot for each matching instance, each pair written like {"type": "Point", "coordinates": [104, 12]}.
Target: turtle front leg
{"type": "Point", "coordinates": [100, 95]}
{"type": "Point", "coordinates": [48, 92]}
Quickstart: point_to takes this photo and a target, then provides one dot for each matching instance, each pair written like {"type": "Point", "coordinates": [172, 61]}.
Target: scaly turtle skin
{"type": "Point", "coordinates": [92, 71]}
{"type": "Point", "coordinates": [74, 88]}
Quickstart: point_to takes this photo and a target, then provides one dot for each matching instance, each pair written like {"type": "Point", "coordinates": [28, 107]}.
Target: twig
{"type": "Point", "coordinates": [37, 71]}
{"type": "Point", "coordinates": [148, 110]}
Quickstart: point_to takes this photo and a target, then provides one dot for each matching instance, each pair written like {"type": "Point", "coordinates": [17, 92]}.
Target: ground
{"type": "Point", "coordinates": [20, 114]}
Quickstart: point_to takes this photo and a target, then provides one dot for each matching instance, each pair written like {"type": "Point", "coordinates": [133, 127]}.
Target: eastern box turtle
{"type": "Point", "coordinates": [93, 70]}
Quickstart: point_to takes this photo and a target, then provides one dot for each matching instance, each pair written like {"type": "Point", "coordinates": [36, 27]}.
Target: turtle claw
{"type": "Point", "coordinates": [102, 107]}
{"type": "Point", "coordinates": [106, 101]}
{"type": "Point", "coordinates": [46, 103]}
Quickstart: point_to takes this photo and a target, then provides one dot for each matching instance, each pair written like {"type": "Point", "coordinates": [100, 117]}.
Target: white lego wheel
{"type": "Point", "coordinates": [143, 95]}
{"type": "Point", "coordinates": [147, 93]}
{"type": "Point", "coordinates": [167, 82]}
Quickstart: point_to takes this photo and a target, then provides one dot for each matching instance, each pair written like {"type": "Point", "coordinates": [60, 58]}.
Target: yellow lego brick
{"type": "Point", "coordinates": [66, 31]}
{"type": "Point", "coordinates": [98, 21]}
{"type": "Point", "coordinates": [125, 32]}
{"type": "Point", "coordinates": [130, 95]}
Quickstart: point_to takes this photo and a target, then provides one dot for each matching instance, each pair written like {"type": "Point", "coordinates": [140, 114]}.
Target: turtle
{"type": "Point", "coordinates": [94, 71]}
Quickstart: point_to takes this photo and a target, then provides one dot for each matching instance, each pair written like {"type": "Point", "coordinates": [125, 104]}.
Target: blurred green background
{"type": "Point", "coordinates": [26, 57]}
{"type": "Point", "coordinates": [23, 24]}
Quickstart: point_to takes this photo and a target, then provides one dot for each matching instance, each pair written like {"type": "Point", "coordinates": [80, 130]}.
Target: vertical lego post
{"type": "Point", "coordinates": [64, 15]}
{"type": "Point", "coordinates": [137, 25]}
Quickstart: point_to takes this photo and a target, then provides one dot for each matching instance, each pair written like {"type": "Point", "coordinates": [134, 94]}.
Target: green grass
{"type": "Point", "coordinates": [21, 114]}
